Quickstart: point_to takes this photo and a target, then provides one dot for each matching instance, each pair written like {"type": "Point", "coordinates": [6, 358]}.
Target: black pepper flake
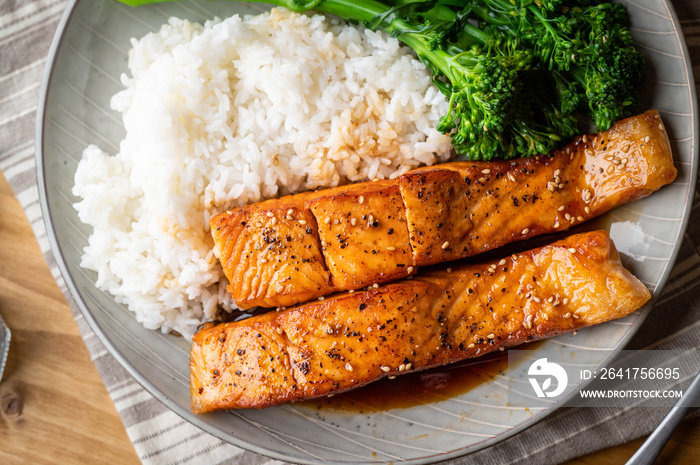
{"type": "Point", "coordinates": [363, 306]}
{"type": "Point", "coordinates": [390, 231]}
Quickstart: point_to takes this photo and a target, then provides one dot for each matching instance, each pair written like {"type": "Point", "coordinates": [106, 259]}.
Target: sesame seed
{"type": "Point", "coordinates": [409, 270]}
{"type": "Point", "coordinates": [263, 260]}
{"type": "Point", "coordinates": [557, 172]}
{"type": "Point", "coordinates": [470, 346]}
{"type": "Point", "coordinates": [353, 221]}
{"type": "Point", "coordinates": [270, 214]}
{"type": "Point", "coordinates": [375, 285]}
{"type": "Point", "coordinates": [580, 218]}
{"type": "Point", "coordinates": [321, 298]}
{"type": "Point", "coordinates": [445, 245]}
{"type": "Point", "coordinates": [279, 289]}
{"type": "Point", "coordinates": [551, 186]}
{"type": "Point", "coordinates": [584, 138]}
{"type": "Point", "coordinates": [482, 180]}
{"type": "Point", "coordinates": [302, 222]}
{"type": "Point", "coordinates": [565, 301]}
{"type": "Point", "coordinates": [567, 315]}
{"type": "Point", "coordinates": [528, 322]}
{"type": "Point", "coordinates": [402, 367]}
{"type": "Point", "coordinates": [362, 199]}
{"type": "Point", "coordinates": [610, 169]}
{"type": "Point", "coordinates": [324, 244]}
{"type": "Point", "coordinates": [545, 316]}
{"type": "Point", "coordinates": [391, 248]}
{"type": "Point", "coordinates": [661, 127]}
{"type": "Point", "coordinates": [589, 152]}
{"type": "Point", "coordinates": [502, 262]}
{"type": "Point", "coordinates": [229, 212]}
{"type": "Point", "coordinates": [327, 220]}
{"type": "Point", "coordinates": [511, 177]}
{"type": "Point", "coordinates": [348, 366]}
{"type": "Point", "coordinates": [385, 368]}
{"type": "Point", "coordinates": [409, 366]}
{"type": "Point", "coordinates": [414, 309]}
{"type": "Point", "coordinates": [556, 225]}
{"type": "Point", "coordinates": [646, 140]}
{"type": "Point", "coordinates": [486, 171]}
{"type": "Point", "coordinates": [576, 317]}
{"type": "Point", "coordinates": [536, 299]}
{"type": "Point", "coordinates": [616, 161]}
{"type": "Point", "coordinates": [572, 250]}
{"type": "Point", "coordinates": [449, 270]}
{"type": "Point", "coordinates": [392, 377]}
{"type": "Point", "coordinates": [501, 348]}
{"type": "Point", "coordinates": [626, 147]}
{"type": "Point", "coordinates": [587, 210]}
{"type": "Point", "coordinates": [491, 336]}
{"type": "Point", "coordinates": [524, 231]}
{"type": "Point", "coordinates": [561, 208]}
{"type": "Point", "coordinates": [568, 217]}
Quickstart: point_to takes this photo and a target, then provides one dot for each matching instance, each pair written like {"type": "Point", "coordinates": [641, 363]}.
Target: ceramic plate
{"type": "Point", "coordinates": [448, 420]}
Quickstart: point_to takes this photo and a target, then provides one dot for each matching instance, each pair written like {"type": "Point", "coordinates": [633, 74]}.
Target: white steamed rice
{"type": "Point", "coordinates": [231, 112]}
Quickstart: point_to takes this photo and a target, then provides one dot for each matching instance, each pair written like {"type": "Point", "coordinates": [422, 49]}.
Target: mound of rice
{"type": "Point", "coordinates": [231, 112]}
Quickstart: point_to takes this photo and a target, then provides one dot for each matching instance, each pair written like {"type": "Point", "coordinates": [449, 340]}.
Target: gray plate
{"type": "Point", "coordinates": [86, 59]}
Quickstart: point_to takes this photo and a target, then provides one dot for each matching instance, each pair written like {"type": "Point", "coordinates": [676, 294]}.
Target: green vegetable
{"type": "Point", "coordinates": [518, 73]}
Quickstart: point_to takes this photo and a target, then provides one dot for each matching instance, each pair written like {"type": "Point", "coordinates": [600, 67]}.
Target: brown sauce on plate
{"type": "Point", "coordinates": [420, 387]}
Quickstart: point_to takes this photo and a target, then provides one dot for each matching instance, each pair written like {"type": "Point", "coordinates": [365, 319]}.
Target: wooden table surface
{"type": "Point", "coordinates": [54, 408]}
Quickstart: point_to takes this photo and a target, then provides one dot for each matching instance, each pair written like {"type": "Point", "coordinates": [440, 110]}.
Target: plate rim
{"type": "Point", "coordinates": [198, 420]}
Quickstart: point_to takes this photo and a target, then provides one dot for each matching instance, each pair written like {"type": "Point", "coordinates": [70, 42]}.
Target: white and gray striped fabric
{"type": "Point", "coordinates": [161, 437]}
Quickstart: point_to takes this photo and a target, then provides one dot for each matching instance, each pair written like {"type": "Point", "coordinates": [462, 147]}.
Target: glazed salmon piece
{"type": "Point", "coordinates": [271, 254]}
{"type": "Point", "coordinates": [441, 317]}
{"type": "Point", "coordinates": [461, 209]}
{"type": "Point", "coordinates": [363, 234]}
{"type": "Point", "coordinates": [442, 213]}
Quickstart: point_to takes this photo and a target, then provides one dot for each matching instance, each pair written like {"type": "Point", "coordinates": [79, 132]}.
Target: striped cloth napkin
{"type": "Point", "coordinates": [161, 437]}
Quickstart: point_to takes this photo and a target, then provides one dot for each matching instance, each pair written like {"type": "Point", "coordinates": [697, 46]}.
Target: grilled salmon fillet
{"type": "Point", "coordinates": [290, 250]}
{"type": "Point", "coordinates": [436, 318]}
